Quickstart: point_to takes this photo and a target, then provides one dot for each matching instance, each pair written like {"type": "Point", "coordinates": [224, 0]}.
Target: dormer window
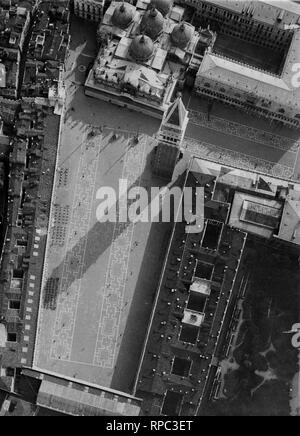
{"type": "Point", "coordinates": [40, 40]}
{"type": "Point", "coordinates": [12, 40]}
{"type": "Point", "coordinates": [280, 16]}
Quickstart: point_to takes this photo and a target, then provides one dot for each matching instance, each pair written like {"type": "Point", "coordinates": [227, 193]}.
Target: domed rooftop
{"type": "Point", "coordinates": [142, 48]}
{"type": "Point", "coordinates": [164, 6]}
{"type": "Point", "coordinates": [123, 15]}
{"type": "Point", "coordinates": [182, 34]}
{"type": "Point", "coordinates": [152, 23]}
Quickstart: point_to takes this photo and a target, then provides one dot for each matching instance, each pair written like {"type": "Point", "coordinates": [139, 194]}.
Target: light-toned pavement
{"type": "Point", "coordinates": [100, 279]}
{"type": "Point", "coordinates": [96, 266]}
{"type": "Point", "coordinates": [230, 137]}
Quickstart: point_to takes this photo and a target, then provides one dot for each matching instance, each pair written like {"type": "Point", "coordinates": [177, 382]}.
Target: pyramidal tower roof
{"type": "Point", "coordinates": [176, 115]}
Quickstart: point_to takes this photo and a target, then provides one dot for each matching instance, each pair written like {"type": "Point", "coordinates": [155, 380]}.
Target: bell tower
{"type": "Point", "coordinates": [170, 137]}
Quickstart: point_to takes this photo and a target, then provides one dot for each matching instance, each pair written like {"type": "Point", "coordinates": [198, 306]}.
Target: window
{"type": "Point", "coordinates": [19, 220]}
{"type": "Point", "coordinates": [21, 243]}
{"type": "Point", "coordinates": [11, 337]}
{"type": "Point", "coordinates": [18, 274]}
{"type": "Point", "coordinates": [10, 372]}
{"type": "Point", "coordinates": [14, 304]}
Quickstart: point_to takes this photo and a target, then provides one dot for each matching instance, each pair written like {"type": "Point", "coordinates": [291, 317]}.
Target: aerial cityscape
{"type": "Point", "coordinates": [149, 208]}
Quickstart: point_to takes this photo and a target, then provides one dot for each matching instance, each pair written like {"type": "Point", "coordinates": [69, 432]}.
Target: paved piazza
{"type": "Point", "coordinates": [92, 269]}
{"type": "Point", "coordinates": [100, 279]}
{"type": "Point", "coordinates": [234, 138]}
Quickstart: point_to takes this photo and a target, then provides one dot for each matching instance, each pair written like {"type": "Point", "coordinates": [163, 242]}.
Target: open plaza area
{"type": "Point", "coordinates": [150, 208]}
{"type": "Point", "coordinates": [98, 278]}
{"type": "Point", "coordinates": [231, 137]}
{"type": "Point", "coordinates": [97, 290]}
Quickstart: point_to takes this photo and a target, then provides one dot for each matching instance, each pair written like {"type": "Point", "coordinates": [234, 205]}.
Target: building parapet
{"type": "Point", "coordinates": [244, 64]}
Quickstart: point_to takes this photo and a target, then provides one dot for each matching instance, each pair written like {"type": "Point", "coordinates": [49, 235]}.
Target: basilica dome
{"type": "Point", "coordinates": [141, 48]}
{"type": "Point", "coordinates": [182, 35]}
{"type": "Point", "coordinates": [164, 6]}
{"type": "Point", "coordinates": [152, 23]}
{"type": "Point", "coordinates": [123, 15]}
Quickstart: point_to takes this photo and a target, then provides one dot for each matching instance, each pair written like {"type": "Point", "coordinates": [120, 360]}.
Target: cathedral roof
{"type": "Point", "coordinates": [142, 48]}
{"type": "Point", "coordinates": [123, 15]}
{"type": "Point", "coordinates": [164, 6]}
{"type": "Point", "coordinates": [152, 23]}
{"type": "Point", "coordinates": [182, 34]}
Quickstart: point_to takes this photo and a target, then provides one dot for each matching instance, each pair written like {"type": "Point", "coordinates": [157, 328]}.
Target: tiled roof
{"type": "Point", "coordinates": [176, 114]}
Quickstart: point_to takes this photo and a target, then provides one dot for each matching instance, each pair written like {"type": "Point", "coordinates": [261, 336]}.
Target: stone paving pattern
{"type": "Point", "coordinates": [73, 264]}
{"type": "Point", "coordinates": [242, 131]}
{"type": "Point", "coordinates": [68, 283]}
{"type": "Point", "coordinates": [96, 293]}
{"type": "Point", "coordinates": [115, 283]}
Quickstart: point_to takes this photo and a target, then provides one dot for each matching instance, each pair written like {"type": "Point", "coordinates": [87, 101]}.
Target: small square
{"type": "Point", "coordinates": [29, 301]}
{"type": "Point", "coordinates": [28, 309]}
{"type": "Point", "coordinates": [35, 253]}
{"type": "Point", "coordinates": [26, 338]}
{"type": "Point", "coordinates": [27, 327]}
{"type": "Point", "coordinates": [31, 294]}
{"type": "Point", "coordinates": [28, 317]}
{"type": "Point", "coordinates": [24, 361]}
{"type": "Point", "coordinates": [31, 285]}
{"type": "Point", "coordinates": [32, 277]}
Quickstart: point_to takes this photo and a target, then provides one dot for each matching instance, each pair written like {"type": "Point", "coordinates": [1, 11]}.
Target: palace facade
{"type": "Point", "coordinates": [89, 9]}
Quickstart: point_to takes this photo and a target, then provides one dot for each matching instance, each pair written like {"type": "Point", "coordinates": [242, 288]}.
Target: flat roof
{"type": "Point", "coordinates": [260, 185]}
{"type": "Point", "coordinates": [193, 318]}
{"type": "Point", "coordinates": [201, 286]}
{"type": "Point", "coordinates": [249, 223]}
{"type": "Point", "coordinates": [290, 224]}
{"type": "Point", "coordinates": [259, 213]}
{"type": "Point", "coordinates": [91, 291]}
